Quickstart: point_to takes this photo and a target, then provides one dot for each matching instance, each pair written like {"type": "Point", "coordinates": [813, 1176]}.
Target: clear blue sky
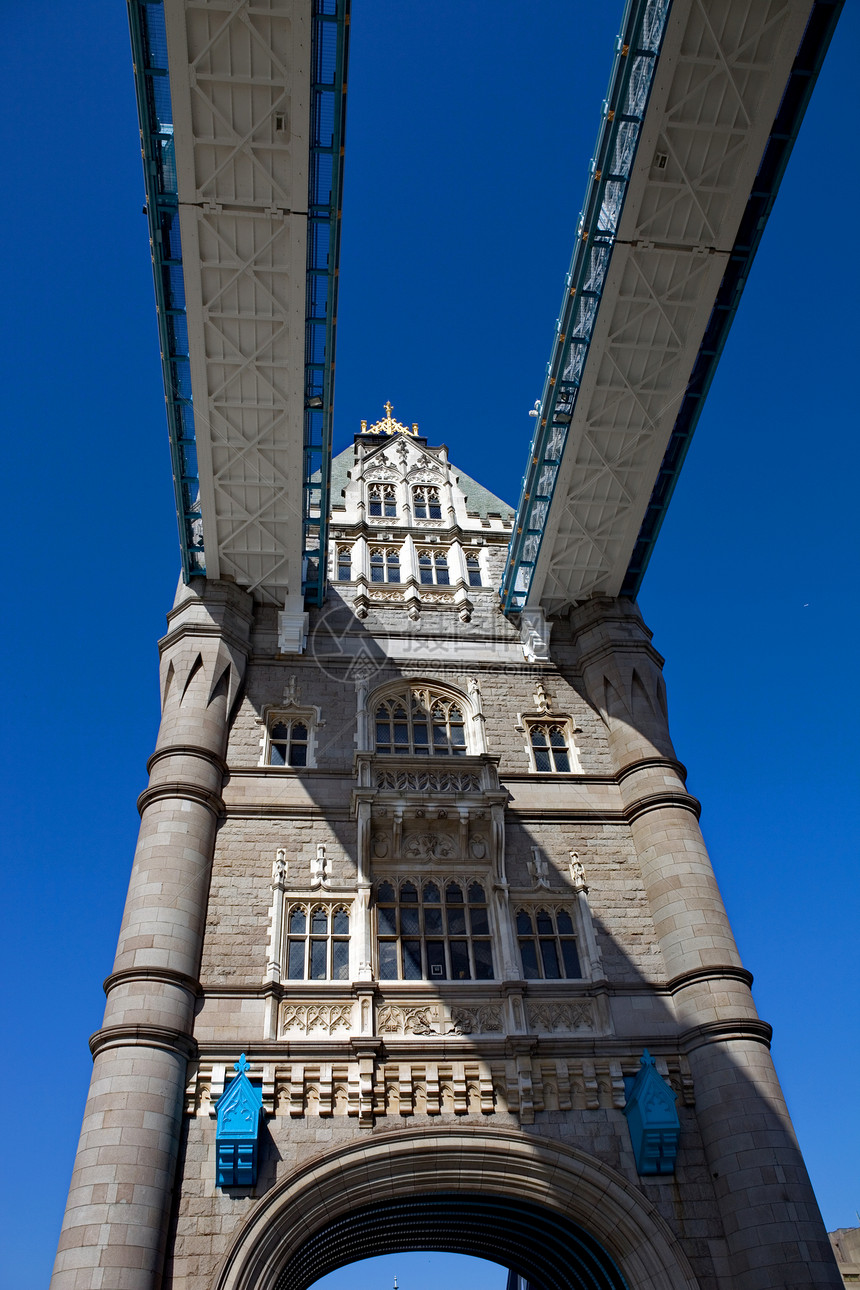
{"type": "Point", "coordinates": [469, 135]}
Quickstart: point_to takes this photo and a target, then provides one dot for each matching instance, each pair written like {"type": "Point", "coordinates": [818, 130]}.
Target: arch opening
{"type": "Point", "coordinates": [548, 1250]}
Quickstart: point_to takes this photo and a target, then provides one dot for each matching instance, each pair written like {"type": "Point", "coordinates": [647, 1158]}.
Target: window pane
{"type": "Point", "coordinates": [436, 959]}
{"type": "Point", "coordinates": [454, 894]}
{"type": "Point", "coordinates": [296, 967]}
{"type": "Point", "coordinates": [435, 511]}
{"type": "Point", "coordinates": [377, 573]}
{"type": "Point", "coordinates": [460, 961]}
{"type": "Point", "coordinates": [278, 755]}
{"type": "Point", "coordinates": [340, 960]}
{"type": "Point", "coordinates": [319, 921]}
{"type": "Point", "coordinates": [297, 921]}
{"type": "Point", "coordinates": [409, 921]}
{"type": "Point", "coordinates": [483, 961]}
{"type": "Point", "coordinates": [476, 894]}
{"type": "Point", "coordinates": [442, 577]}
{"type": "Point", "coordinates": [433, 920]}
{"type": "Point", "coordinates": [474, 578]}
{"type": "Point", "coordinates": [318, 960]}
{"type": "Point", "coordinates": [549, 956]}
{"type": "Point", "coordinates": [544, 923]}
{"type": "Point", "coordinates": [542, 759]}
{"type": "Point", "coordinates": [376, 508]}
{"type": "Point", "coordinates": [408, 892]}
{"type": "Point", "coordinates": [524, 923]}
{"type": "Point", "coordinates": [385, 892]}
{"type": "Point", "coordinates": [386, 921]}
{"type": "Point", "coordinates": [538, 737]}
{"type": "Point", "coordinates": [340, 922]}
{"type": "Point", "coordinates": [440, 736]}
{"type": "Point", "coordinates": [426, 575]}
{"type": "Point", "coordinates": [457, 921]}
{"type": "Point", "coordinates": [529, 959]}
{"type": "Point", "coordinates": [480, 922]}
{"type": "Point", "coordinates": [431, 893]}
{"type": "Point", "coordinates": [390, 509]}
{"type": "Point", "coordinates": [300, 732]}
{"type": "Point", "coordinates": [401, 735]}
{"type": "Point", "coordinates": [412, 960]}
{"type": "Point", "coordinates": [572, 969]}
{"type": "Point", "coordinates": [298, 754]}
{"type": "Point", "coordinates": [420, 736]}
{"type": "Point", "coordinates": [562, 761]}
{"type": "Point", "coordinates": [556, 737]}
{"type": "Point", "coordinates": [564, 923]}
{"type": "Point", "coordinates": [388, 960]}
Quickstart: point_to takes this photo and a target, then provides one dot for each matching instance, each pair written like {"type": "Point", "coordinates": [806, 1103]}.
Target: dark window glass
{"type": "Point", "coordinates": [318, 960]}
{"type": "Point", "coordinates": [340, 960]}
{"type": "Point", "coordinates": [476, 894]}
{"type": "Point", "coordinates": [436, 959]}
{"type": "Point", "coordinates": [409, 921]}
{"type": "Point", "coordinates": [412, 960]}
{"type": "Point", "coordinates": [408, 892]}
{"type": "Point", "coordinates": [453, 894]}
{"type": "Point", "coordinates": [386, 917]}
{"type": "Point", "coordinates": [388, 960]}
{"type": "Point", "coordinates": [524, 923]}
{"type": "Point", "coordinates": [563, 923]}
{"type": "Point", "coordinates": [529, 958]}
{"type": "Point", "coordinates": [297, 921]}
{"type": "Point", "coordinates": [431, 893]}
{"type": "Point", "coordinates": [544, 923]}
{"type": "Point", "coordinates": [549, 957]}
{"type": "Point", "coordinates": [296, 965]}
{"type": "Point", "coordinates": [480, 922]}
{"type": "Point", "coordinates": [572, 969]}
{"type": "Point", "coordinates": [460, 961]}
{"type": "Point", "coordinates": [385, 891]}
{"type": "Point", "coordinates": [340, 922]}
{"type": "Point", "coordinates": [319, 922]}
{"type": "Point", "coordinates": [433, 921]}
{"type": "Point", "coordinates": [483, 961]}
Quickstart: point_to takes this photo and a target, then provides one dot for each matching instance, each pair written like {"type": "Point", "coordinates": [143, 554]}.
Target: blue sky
{"type": "Point", "coordinates": [469, 135]}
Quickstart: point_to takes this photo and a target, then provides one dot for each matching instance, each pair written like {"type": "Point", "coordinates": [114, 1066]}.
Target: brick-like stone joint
{"type": "Point", "coordinates": [124, 1172]}
{"type": "Point", "coordinates": [719, 1028]}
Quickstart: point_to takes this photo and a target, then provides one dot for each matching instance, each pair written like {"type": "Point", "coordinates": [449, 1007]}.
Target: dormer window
{"type": "Point", "coordinates": [382, 501]}
{"type": "Point", "coordinates": [433, 568]}
{"type": "Point", "coordinates": [426, 504]}
{"type": "Point", "coordinates": [385, 564]}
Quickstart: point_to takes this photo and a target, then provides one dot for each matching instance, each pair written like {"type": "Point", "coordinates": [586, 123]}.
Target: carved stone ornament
{"type": "Point", "coordinates": [401, 1019]}
{"type": "Point", "coordinates": [428, 846]}
{"type": "Point", "coordinates": [426, 471]}
{"type": "Point", "coordinates": [315, 1018]}
{"type": "Point", "coordinates": [478, 846]}
{"type": "Point", "coordinates": [560, 1016]}
{"type": "Point", "coordinates": [478, 1020]}
{"type": "Point", "coordinates": [428, 781]}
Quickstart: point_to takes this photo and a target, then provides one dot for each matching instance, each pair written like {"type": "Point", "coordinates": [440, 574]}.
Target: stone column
{"type": "Point", "coordinates": [121, 1192]}
{"type": "Point", "coordinates": [774, 1232]}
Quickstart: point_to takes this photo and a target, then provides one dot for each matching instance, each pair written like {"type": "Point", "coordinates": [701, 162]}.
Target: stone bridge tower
{"type": "Point", "coordinates": [423, 946]}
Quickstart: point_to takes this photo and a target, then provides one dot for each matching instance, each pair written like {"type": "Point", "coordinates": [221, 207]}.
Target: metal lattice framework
{"type": "Point", "coordinates": [694, 95]}
{"type": "Point", "coordinates": [251, 118]}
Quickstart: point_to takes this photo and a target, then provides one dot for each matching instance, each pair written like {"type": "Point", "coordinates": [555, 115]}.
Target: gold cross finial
{"type": "Point", "coordinates": [388, 425]}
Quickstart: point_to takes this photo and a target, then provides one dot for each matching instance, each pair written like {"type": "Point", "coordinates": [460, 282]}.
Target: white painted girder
{"type": "Point", "coordinates": [717, 87]}
{"type": "Point", "coordinates": [240, 87]}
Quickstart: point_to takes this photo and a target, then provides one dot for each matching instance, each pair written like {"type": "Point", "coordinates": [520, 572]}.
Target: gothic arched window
{"type": "Point", "coordinates": [549, 745]}
{"type": "Point", "coordinates": [473, 569]}
{"type": "Point", "coordinates": [426, 504]}
{"type": "Point", "coordinates": [288, 742]}
{"type": "Point", "coordinates": [385, 564]}
{"type": "Point", "coordinates": [433, 568]}
{"type": "Point", "coordinates": [433, 931]}
{"type": "Point", "coordinates": [317, 943]}
{"type": "Point", "coordinates": [420, 722]}
{"type": "Point", "coordinates": [547, 944]}
{"type": "Point", "coordinates": [382, 500]}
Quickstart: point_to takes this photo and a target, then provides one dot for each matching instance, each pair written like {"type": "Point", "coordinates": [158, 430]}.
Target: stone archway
{"type": "Point", "coordinates": [565, 1218]}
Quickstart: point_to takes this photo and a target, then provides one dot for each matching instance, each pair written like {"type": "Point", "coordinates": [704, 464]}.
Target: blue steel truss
{"type": "Point", "coordinates": [152, 86]}
{"type": "Point", "coordinates": [329, 40]}
{"type": "Point", "coordinates": [637, 51]}
{"type": "Point", "coordinates": [325, 186]}
{"type": "Point", "coordinates": [783, 135]}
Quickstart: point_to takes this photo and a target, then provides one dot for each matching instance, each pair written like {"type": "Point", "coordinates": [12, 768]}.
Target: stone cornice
{"type": "Point", "coordinates": [721, 1032]}
{"type": "Point", "coordinates": [161, 974]}
{"type": "Point", "coordinates": [719, 972]}
{"type": "Point", "coordinates": [652, 763]}
{"type": "Point", "coordinates": [188, 750]}
{"type": "Point", "coordinates": [184, 792]}
{"type": "Point", "coordinates": [660, 802]}
{"type": "Point", "coordinates": [239, 643]}
{"type": "Point", "coordinates": [163, 1037]}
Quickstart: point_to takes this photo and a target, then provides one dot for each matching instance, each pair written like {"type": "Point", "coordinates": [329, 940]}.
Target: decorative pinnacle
{"type": "Point", "coordinates": [388, 425]}
{"type": "Point", "coordinates": [242, 1065]}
